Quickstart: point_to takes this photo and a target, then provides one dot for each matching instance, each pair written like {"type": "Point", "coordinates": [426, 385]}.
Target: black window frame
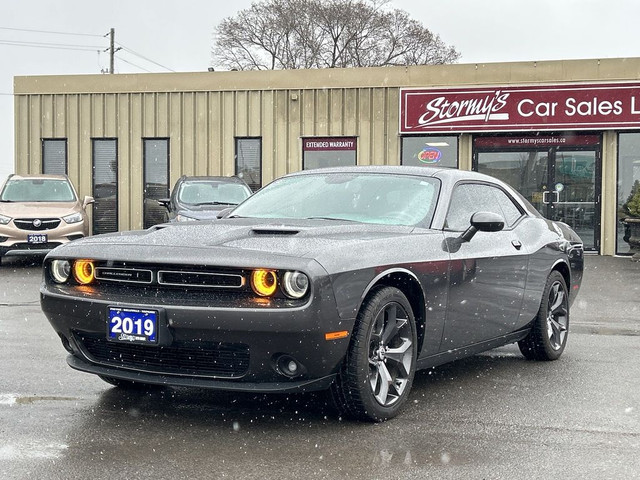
{"type": "Point", "coordinates": [334, 138]}
{"type": "Point", "coordinates": [238, 173]}
{"type": "Point", "coordinates": [145, 205]}
{"type": "Point", "coordinates": [43, 142]}
{"type": "Point", "coordinates": [97, 199]}
{"type": "Point", "coordinates": [439, 136]}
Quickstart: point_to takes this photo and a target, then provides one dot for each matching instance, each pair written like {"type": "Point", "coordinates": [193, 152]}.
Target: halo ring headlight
{"type": "Point", "coordinates": [60, 270]}
{"type": "Point", "coordinates": [264, 282]}
{"type": "Point", "coordinates": [84, 271]}
{"type": "Point", "coordinates": [295, 284]}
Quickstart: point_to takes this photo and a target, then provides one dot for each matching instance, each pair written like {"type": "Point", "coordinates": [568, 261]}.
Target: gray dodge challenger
{"type": "Point", "coordinates": [340, 279]}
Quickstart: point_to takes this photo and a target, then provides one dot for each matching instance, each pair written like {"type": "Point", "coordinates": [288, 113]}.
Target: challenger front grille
{"type": "Point", "coordinates": [172, 277]}
{"type": "Point", "coordinates": [221, 360]}
{"type": "Point", "coordinates": [200, 279]}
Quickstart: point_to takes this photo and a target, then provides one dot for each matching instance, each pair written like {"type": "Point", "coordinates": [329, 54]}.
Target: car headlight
{"type": "Point", "coordinates": [295, 284]}
{"type": "Point", "coordinates": [60, 270]}
{"type": "Point", "coordinates": [84, 271]}
{"type": "Point", "coordinates": [73, 218]}
{"type": "Point", "coordinates": [264, 282]}
{"type": "Point", "coordinates": [4, 220]}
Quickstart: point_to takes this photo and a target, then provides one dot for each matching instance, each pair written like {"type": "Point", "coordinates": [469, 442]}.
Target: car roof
{"type": "Point", "coordinates": [447, 174]}
{"type": "Point", "coordinates": [40, 176]}
{"type": "Point", "coordinates": [202, 178]}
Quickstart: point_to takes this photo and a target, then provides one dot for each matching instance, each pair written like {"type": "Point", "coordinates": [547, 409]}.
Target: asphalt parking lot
{"type": "Point", "coordinates": [492, 416]}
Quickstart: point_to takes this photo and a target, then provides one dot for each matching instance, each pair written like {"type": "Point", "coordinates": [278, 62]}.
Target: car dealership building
{"type": "Point", "coordinates": [566, 134]}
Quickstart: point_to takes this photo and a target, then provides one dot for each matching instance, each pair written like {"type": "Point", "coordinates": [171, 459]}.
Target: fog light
{"type": "Point", "coordinates": [289, 366]}
{"type": "Point", "coordinates": [292, 367]}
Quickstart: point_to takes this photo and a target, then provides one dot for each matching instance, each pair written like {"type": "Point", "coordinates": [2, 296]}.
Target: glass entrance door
{"type": "Point", "coordinates": [561, 181]}
{"type": "Point", "coordinates": [572, 195]}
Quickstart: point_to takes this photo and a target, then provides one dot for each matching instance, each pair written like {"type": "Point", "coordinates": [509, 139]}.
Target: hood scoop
{"type": "Point", "coordinates": [274, 231]}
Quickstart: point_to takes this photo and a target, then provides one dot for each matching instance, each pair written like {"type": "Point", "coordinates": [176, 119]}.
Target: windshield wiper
{"type": "Point", "coordinates": [213, 203]}
{"type": "Point", "coordinates": [332, 218]}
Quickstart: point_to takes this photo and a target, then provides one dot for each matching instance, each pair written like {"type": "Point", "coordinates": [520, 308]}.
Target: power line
{"type": "Point", "coordinates": [133, 64]}
{"type": "Point", "coordinates": [50, 32]}
{"type": "Point", "coordinates": [55, 46]}
{"type": "Point", "coordinates": [143, 57]}
{"type": "Point", "coordinates": [76, 47]}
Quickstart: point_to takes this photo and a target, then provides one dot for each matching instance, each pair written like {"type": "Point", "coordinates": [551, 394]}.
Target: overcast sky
{"type": "Point", "coordinates": [167, 35]}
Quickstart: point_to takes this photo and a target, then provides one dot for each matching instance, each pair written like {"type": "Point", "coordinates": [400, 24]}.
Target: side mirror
{"type": "Point", "coordinates": [483, 222]}
{"type": "Point", "coordinates": [164, 202]}
{"type": "Point", "coordinates": [87, 201]}
{"type": "Point", "coordinates": [224, 213]}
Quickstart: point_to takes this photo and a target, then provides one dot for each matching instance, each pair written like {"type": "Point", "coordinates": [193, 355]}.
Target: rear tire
{"type": "Point", "coordinates": [548, 336]}
{"type": "Point", "coordinates": [378, 370]}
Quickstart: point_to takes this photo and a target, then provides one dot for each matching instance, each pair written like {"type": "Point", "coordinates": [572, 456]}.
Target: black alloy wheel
{"type": "Point", "coordinates": [378, 371]}
{"type": "Point", "coordinates": [548, 336]}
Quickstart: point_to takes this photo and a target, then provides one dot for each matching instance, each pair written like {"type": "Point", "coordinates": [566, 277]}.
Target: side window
{"type": "Point", "coordinates": [469, 198]}
{"type": "Point", "coordinates": [508, 209]}
{"type": "Point", "coordinates": [465, 201]}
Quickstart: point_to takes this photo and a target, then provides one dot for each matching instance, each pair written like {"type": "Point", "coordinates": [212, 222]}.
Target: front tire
{"type": "Point", "coordinates": [380, 364]}
{"type": "Point", "coordinates": [548, 336]}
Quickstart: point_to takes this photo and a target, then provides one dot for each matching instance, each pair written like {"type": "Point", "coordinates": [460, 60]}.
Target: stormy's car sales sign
{"type": "Point", "coordinates": [548, 107]}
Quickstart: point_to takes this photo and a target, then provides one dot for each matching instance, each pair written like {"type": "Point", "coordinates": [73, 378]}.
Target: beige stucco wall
{"type": "Point", "coordinates": [203, 112]}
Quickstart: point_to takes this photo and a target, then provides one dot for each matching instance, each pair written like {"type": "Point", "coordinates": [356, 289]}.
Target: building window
{"type": "Point", "coordinates": [427, 151]}
{"type": "Point", "coordinates": [156, 179]}
{"type": "Point", "coordinates": [628, 183]}
{"type": "Point", "coordinates": [105, 185]}
{"type": "Point", "coordinates": [54, 156]}
{"type": "Point", "coordinates": [249, 161]}
{"type": "Point", "coordinates": [321, 152]}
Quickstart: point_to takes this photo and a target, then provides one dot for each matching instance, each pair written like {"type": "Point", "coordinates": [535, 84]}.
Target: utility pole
{"type": "Point", "coordinates": [112, 51]}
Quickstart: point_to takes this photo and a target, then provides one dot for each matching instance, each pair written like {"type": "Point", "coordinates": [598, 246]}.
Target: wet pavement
{"type": "Point", "coordinates": [491, 416]}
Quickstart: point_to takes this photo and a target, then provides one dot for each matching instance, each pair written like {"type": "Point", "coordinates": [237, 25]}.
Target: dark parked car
{"type": "Point", "coordinates": [202, 198]}
{"type": "Point", "coordinates": [346, 279]}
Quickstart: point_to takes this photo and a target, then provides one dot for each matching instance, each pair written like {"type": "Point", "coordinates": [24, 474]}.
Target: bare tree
{"type": "Point", "coordinates": [290, 34]}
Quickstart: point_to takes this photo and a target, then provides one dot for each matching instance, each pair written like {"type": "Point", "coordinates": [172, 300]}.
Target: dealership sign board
{"type": "Point", "coordinates": [520, 108]}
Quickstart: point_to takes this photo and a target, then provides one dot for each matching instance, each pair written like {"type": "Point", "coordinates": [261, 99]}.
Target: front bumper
{"type": "Point", "coordinates": [238, 349]}
{"type": "Point", "coordinates": [14, 241]}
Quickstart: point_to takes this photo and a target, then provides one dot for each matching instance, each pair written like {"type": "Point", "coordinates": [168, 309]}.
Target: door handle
{"type": "Point", "coordinates": [516, 244]}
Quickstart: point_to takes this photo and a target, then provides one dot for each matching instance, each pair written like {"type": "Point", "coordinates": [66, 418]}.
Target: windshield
{"type": "Point", "coordinates": [360, 197]}
{"type": "Point", "coordinates": [37, 190]}
{"type": "Point", "coordinates": [212, 193]}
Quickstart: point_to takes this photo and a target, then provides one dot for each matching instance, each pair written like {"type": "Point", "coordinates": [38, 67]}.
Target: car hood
{"type": "Point", "coordinates": [37, 209]}
{"type": "Point", "coordinates": [202, 213]}
{"type": "Point", "coordinates": [235, 241]}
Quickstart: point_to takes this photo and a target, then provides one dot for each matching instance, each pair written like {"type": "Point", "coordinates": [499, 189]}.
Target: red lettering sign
{"type": "Point", "coordinates": [548, 107]}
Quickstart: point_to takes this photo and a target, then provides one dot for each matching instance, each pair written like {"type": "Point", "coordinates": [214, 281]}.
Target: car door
{"type": "Point", "coordinates": [488, 273]}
